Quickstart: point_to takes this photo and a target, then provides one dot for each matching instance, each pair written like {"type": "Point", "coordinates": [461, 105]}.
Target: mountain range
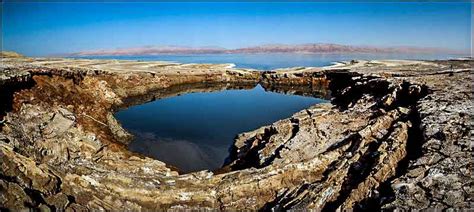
{"type": "Point", "coordinates": [271, 48]}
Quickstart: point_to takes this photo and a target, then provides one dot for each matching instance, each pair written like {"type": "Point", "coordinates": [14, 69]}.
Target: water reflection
{"type": "Point", "coordinates": [186, 155]}
{"type": "Point", "coordinates": [193, 131]}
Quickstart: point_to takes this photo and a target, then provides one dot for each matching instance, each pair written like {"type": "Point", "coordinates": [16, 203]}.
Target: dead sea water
{"type": "Point", "coordinates": [194, 131]}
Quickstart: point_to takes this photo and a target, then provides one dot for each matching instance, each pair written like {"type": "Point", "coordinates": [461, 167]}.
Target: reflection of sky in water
{"type": "Point", "coordinates": [185, 155]}
{"type": "Point", "coordinates": [268, 61]}
{"type": "Point", "coordinates": [194, 131]}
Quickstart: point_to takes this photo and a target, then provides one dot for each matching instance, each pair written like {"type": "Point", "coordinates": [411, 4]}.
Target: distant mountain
{"type": "Point", "coordinates": [272, 48]}
{"type": "Point", "coordinates": [152, 51]}
{"type": "Point", "coordinates": [306, 48]}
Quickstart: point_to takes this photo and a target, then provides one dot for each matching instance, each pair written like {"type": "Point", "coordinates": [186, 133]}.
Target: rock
{"type": "Point", "coordinates": [120, 134]}
{"type": "Point", "coordinates": [62, 121]}
{"type": "Point", "coordinates": [397, 135]}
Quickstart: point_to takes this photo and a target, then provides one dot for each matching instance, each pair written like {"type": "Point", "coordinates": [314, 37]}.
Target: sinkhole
{"type": "Point", "coordinates": [192, 128]}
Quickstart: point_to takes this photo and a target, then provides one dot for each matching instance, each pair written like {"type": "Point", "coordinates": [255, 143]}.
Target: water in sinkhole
{"type": "Point", "coordinates": [194, 131]}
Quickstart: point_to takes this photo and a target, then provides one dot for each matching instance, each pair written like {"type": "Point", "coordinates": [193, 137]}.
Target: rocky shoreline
{"type": "Point", "coordinates": [397, 134]}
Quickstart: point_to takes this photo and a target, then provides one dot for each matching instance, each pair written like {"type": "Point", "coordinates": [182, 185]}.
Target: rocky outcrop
{"type": "Point", "coordinates": [7, 54]}
{"type": "Point", "coordinates": [397, 134]}
{"type": "Point", "coordinates": [363, 139]}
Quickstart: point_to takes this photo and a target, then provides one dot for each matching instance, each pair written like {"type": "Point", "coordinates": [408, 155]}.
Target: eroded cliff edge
{"type": "Point", "coordinates": [397, 135]}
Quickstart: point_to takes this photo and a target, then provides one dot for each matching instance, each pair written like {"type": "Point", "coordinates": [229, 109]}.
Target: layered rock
{"type": "Point", "coordinates": [397, 134]}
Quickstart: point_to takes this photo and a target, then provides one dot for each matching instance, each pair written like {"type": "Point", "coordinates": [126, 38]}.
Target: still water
{"type": "Point", "coordinates": [269, 61]}
{"type": "Point", "coordinates": [194, 131]}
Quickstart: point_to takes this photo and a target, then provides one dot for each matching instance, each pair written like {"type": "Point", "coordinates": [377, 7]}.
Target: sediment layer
{"type": "Point", "coordinates": [397, 134]}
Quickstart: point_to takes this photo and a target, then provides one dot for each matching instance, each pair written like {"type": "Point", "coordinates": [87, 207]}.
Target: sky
{"type": "Point", "coordinates": [42, 29]}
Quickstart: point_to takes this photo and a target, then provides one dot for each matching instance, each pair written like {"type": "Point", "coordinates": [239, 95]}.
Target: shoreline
{"type": "Point", "coordinates": [162, 58]}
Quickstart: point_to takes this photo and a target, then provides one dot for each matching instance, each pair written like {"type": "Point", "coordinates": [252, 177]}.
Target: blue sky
{"type": "Point", "coordinates": [41, 29]}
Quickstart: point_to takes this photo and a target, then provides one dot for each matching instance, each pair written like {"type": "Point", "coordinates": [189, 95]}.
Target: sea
{"type": "Point", "coordinates": [270, 61]}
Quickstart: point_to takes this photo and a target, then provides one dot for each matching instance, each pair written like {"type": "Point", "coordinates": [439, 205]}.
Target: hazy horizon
{"type": "Point", "coordinates": [41, 29]}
